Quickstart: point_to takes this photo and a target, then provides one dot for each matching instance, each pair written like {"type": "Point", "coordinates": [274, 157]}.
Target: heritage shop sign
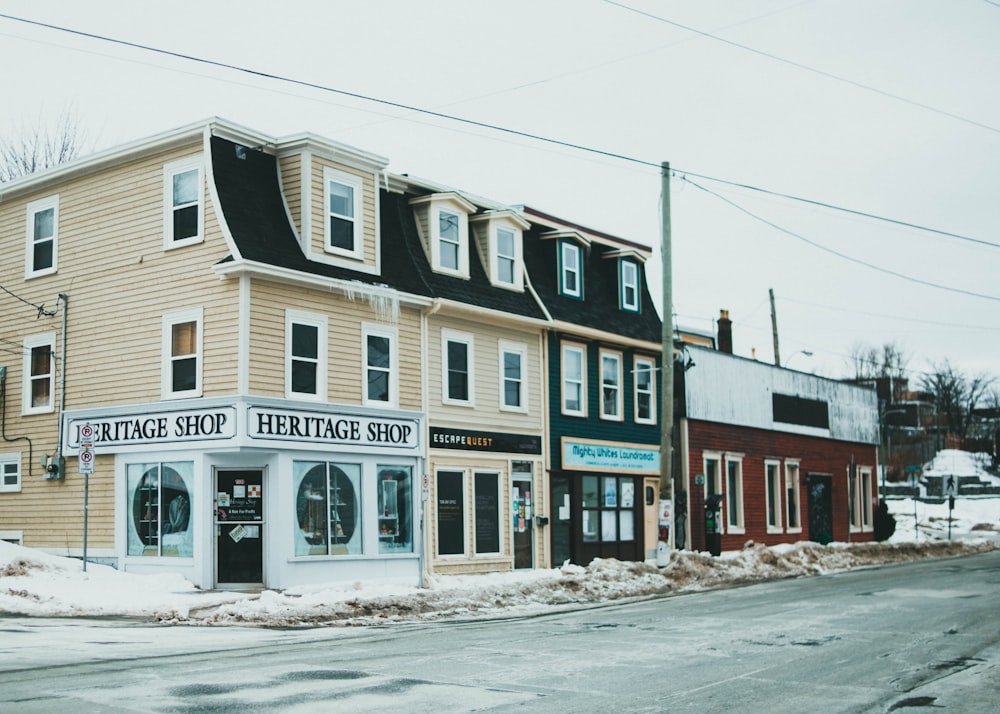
{"type": "Point", "coordinates": [254, 423]}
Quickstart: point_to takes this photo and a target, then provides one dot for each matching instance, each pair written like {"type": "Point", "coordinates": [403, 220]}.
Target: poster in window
{"type": "Point", "coordinates": [487, 513]}
{"type": "Point", "coordinates": [450, 513]}
{"type": "Point", "coordinates": [628, 493]}
{"type": "Point", "coordinates": [610, 492]}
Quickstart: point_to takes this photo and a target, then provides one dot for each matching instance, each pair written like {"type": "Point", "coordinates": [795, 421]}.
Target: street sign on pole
{"type": "Point", "coordinates": [85, 461]}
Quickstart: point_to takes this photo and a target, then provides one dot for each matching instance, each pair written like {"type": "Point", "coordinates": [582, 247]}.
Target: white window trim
{"type": "Point", "coordinates": [296, 317]}
{"type": "Point", "coordinates": [42, 204]}
{"type": "Point", "coordinates": [10, 458]}
{"type": "Point", "coordinates": [170, 319]}
{"type": "Point", "coordinates": [392, 335]}
{"type": "Point", "coordinates": [15, 537]}
{"type": "Point", "coordinates": [582, 350]}
{"type": "Point", "coordinates": [778, 526]}
{"type": "Point", "coordinates": [169, 171]}
{"type": "Point", "coordinates": [468, 340]}
{"type": "Point", "coordinates": [30, 342]}
{"type": "Point", "coordinates": [737, 525]}
{"type": "Point", "coordinates": [463, 240]}
{"type": "Point", "coordinates": [519, 348]}
{"type": "Point", "coordinates": [565, 246]}
{"type": "Point", "coordinates": [500, 508]}
{"type": "Point", "coordinates": [861, 513]}
{"type": "Point", "coordinates": [636, 362]}
{"type": "Point", "coordinates": [718, 479]}
{"type": "Point", "coordinates": [356, 184]}
{"type": "Point", "coordinates": [517, 258]}
{"type": "Point", "coordinates": [619, 387]}
{"type": "Point", "coordinates": [633, 283]}
{"type": "Point", "coordinates": [791, 481]}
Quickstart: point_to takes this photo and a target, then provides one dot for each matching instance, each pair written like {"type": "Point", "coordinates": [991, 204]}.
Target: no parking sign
{"type": "Point", "coordinates": [86, 456]}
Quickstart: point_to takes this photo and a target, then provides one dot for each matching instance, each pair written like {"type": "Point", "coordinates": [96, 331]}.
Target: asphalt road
{"type": "Point", "coordinates": [916, 636]}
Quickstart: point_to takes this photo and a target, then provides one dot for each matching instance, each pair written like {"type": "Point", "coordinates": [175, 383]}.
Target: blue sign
{"type": "Point", "coordinates": [610, 457]}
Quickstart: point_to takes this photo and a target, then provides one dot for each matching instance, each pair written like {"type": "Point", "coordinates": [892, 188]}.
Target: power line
{"type": "Point", "coordinates": [42, 312]}
{"type": "Point", "coordinates": [822, 247]}
{"type": "Point", "coordinates": [799, 65]}
{"type": "Point", "coordinates": [492, 127]}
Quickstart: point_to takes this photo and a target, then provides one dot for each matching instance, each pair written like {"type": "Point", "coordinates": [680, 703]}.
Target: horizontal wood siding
{"type": "Point", "coordinates": [345, 318]}
{"type": "Point", "coordinates": [369, 189]}
{"type": "Point", "coordinates": [290, 170]}
{"type": "Point", "coordinates": [486, 413]}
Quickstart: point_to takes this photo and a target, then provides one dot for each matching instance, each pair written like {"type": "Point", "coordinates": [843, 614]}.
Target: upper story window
{"type": "Point", "coordinates": [184, 206]}
{"type": "Point", "coordinates": [513, 356]}
{"type": "Point", "coordinates": [457, 350]}
{"type": "Point", "coordinates": [305, 355]}
{"type": "Point", "coordinates": [443, 221]}
{"type": "Point", "coordinates": [629, 286]}
{"type": "Point", "coordinates": [343, 213]}
{"type": "Point", "coordinates": [39, 374]}
{"type": "Point", "coordinates": [381, 366]}
{"type": "Point", "coordinates": [574, 385]}
{"type": "Point", "coordinates": [500, 238]}
{"type": "Point", "coordinates": [182, 354]}
{"type": "Point", "coordinates": [570, 272]}
{"type": "Point", "coordinates": [42, 237]}
{"type": "Point", "coordinates": [644, 372]}
{"type": "Point", "coordinates": [611, 386]}
{"type": "Point", "coordinates": [10, 472]}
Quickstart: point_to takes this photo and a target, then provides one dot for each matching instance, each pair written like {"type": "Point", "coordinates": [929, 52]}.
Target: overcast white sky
{"type": "Point", "coordinates": [888, 107]}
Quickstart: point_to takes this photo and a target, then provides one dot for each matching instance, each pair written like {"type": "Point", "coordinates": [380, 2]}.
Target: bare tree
{"type": "Point", "coordinates": [37, 146]}
{"type": "Point", "coordinates": [957, 396]}
{"type": "Point", "coordinates": [884, 366]}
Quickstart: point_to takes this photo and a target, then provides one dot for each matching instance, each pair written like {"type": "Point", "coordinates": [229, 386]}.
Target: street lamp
{"type": "Point", "coordinates": [807, 353]}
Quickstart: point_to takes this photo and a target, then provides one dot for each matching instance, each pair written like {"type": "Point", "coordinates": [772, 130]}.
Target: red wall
{"type": "Point", "coordinates": [815, 455]}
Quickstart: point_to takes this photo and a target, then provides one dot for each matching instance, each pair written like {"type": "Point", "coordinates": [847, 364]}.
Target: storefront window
{"type": "Point", "coordinates": [327, 508]}
{"type": "Point", "coordinates": [608, 504]}
{"type": "Point", "coordinates": [395, 522]}
{"type": "Point", "coordinates": [159, 509]}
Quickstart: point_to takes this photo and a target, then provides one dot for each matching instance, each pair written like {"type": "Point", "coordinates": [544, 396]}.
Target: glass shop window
{"type": "Point", "coordinates": [159, 509]}
{"type": "Point", "coordinates": [395, 517]}
{"type": "Point", "coordinates": [327, 508]}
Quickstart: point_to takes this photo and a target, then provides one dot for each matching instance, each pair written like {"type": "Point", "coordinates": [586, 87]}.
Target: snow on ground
{"type": "Point", "coordinates": [954, 462]}
{"type": "Point", "coordinates": [36, 584]}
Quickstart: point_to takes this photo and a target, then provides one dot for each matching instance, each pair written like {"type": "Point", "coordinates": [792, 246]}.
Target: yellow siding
{"type": "Point", "coordinates": [369, 215]}
{"type": "Point", "coordinates": [119, 281]}
{"type": "Point", "coordinates": [290, 168]}
{"type": "Point", "coordinates": [344, 335]}
{"type": "Point", "coordinates": [486, 414]}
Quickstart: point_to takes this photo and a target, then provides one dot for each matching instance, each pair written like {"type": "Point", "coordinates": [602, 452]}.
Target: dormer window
{"type": "Point", "coordinates": [184, 206]}
{"type": "Point", "coordinates": [343, 213]}
{"type": "Point", "coordinates": [499, 237]}
{"type": "Point", "coordinates": [443, 221]}
{"type": "Point", "coordinates": [570, 273]}
{"type": "Point", "coordinates": [629, 281]}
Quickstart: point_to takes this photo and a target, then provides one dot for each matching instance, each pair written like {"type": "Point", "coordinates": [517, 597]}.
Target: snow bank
{"type": "Point", "coordinates": [36, 584]}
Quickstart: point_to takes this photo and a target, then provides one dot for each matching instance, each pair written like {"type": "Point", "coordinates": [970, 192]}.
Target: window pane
{"type": "Point", "coordinates": [449, 256]}
{"type": "Point", "coordinates": [626, 525]}
{"type": "Point", "coordinates": [458, 370]}
{"type": "Point", "coordinates": [41, 255]}
{"type": "Point", "coordinates": [44, 224]}
{"type": "Point", "coordinates": [378, 351]}
{"type": "Point", "coordinates": [589, 526]}
{"type": "Point", "coordinates": [505, 243]}
{"type": "Point", "coordinates": [341, 199]}
{"type": "Point", "coordinates": [186, 187]}
{"type": "Point", "coordinates": [448, 226]}
{"type": "Point", "coordinates": [344, 500]}
{"type": "Point", "coordinates": [184, 374]}
{"type": "Point", "coordinates": [304, 377]}
{"type": "Point", "coordinates": [341, 233]}
{"type": "Point", "coordinates": [310, 509]}
{"type": "Point", "coordinates": [183, 339]}
{"type": "Point", "coordinates": [609, 525]}
{"type": "Point", "coordinates": [378, 386]}
{"type": "Point", "coordinates": [610, 492]}
{"type": "Point", "coordinates": [41, 392]}
{"type": "Point", "coordinates": [589, 499]}
{"type": "Point", "coordinates": [185, 222]}
{"type": "Point", "coordinates": [41, 360]}
{"type": "Point", "coordinates": [159, 510]}
{"type": "Point", "coordinates": [505, 270]}
{"type": "Point", "coordinates": [305, 341]}
{"type": "Point", "coordinates": [395, 521]}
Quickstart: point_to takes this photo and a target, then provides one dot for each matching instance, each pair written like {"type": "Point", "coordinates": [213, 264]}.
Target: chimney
{"type": "Point", "coordinates": [725, 332]}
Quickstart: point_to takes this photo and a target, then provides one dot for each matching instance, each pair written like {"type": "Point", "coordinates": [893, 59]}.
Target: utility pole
{"type": "Point", "coordinates": [666, 510]}
{"type": "Point", "coordinates": [774, 329]}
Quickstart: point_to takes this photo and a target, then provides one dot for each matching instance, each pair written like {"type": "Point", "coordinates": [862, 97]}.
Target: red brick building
{"type": "Point", "coordinates": [785, 456]}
